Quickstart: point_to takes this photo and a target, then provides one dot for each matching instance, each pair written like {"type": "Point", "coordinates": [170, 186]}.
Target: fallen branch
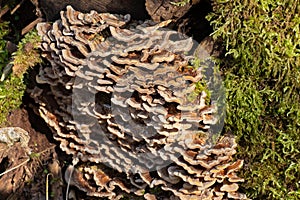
{"type": "Point", "coordinates": [16, 7]}
{"type": "Point", "coordinates": [30, 26]}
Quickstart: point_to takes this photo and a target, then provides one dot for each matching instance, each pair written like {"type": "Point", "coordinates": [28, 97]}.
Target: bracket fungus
{"type": "Point", "coordinates": [116, 95]}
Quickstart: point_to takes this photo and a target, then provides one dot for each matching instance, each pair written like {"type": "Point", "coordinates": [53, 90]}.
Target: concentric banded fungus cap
{"type": "Point", "coordinates": [117, 95]}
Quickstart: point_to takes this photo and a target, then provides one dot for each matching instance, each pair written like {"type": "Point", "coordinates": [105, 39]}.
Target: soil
{"type": "Point", "coordinates": [28, 181]}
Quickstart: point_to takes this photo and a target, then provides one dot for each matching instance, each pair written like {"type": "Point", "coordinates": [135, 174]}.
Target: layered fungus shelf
{"type": "Point", "coordinates": [116, 94]}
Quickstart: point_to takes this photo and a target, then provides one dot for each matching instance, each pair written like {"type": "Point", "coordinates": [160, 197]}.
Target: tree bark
{"type": "Point", "coordinates": [161, 10]}
{"type": "Point", "coordinates": [136, 8]}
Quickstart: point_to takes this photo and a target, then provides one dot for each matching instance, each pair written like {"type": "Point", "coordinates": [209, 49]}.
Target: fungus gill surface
{"type": "Point", "coordinates": [116, 95]}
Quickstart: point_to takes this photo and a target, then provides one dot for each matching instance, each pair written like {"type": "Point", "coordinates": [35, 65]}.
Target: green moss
{"type": "Point", "coordinates": [262, 78]}
{"type": "Point", "coordinates": [11, 93]}
{"type": "Point", "coordinates": [27, 54]}
{"type": "Point", "coordinates": [11, 89]}
{"type": "Point", "coordinates": [201, 86]}
{"type": "Point", "coordinates": [180, 3]}
{"type": "Point", "coordinates": [4, 30]}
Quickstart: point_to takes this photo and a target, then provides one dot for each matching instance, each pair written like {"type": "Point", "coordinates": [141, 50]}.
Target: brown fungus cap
{"type": "Point", "coordinates": [116, 96]}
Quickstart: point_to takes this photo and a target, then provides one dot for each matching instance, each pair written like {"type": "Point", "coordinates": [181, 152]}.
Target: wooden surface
{"type": "Point", "coordinates": [136, 8]}
{"type": "Point", "coordinates": [161, 10]}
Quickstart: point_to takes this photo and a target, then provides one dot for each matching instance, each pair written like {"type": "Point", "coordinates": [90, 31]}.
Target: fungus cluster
{"type": "Point", "coordinates": [119, 96]}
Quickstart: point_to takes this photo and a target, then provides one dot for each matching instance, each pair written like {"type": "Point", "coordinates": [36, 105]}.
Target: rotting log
{"type": "Point", "coordinates": [136, 8]}
{"type": "Point", "coordinates": [160, 10]}
{"type": "Point", "coordinates": [188, 19]}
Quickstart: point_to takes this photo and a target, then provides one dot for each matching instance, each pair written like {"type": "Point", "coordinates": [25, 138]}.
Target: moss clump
{"type": "Point", "coordinates": [262, 78]}
{"type": "Point", "coordinates": [180, 3]}
{"type": "Point", "coordinates": [11, 89]}
{"type": "Point", "coordinates": [27, 54]}
{"type": "Point", "coordinates": [4, 30]}
{"type": "Point", "coordinates": [12, 86]}
{"type": "Point", "coordinates": [11, 93]}
{"type": "Point", "coordinates": [201, 86]}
